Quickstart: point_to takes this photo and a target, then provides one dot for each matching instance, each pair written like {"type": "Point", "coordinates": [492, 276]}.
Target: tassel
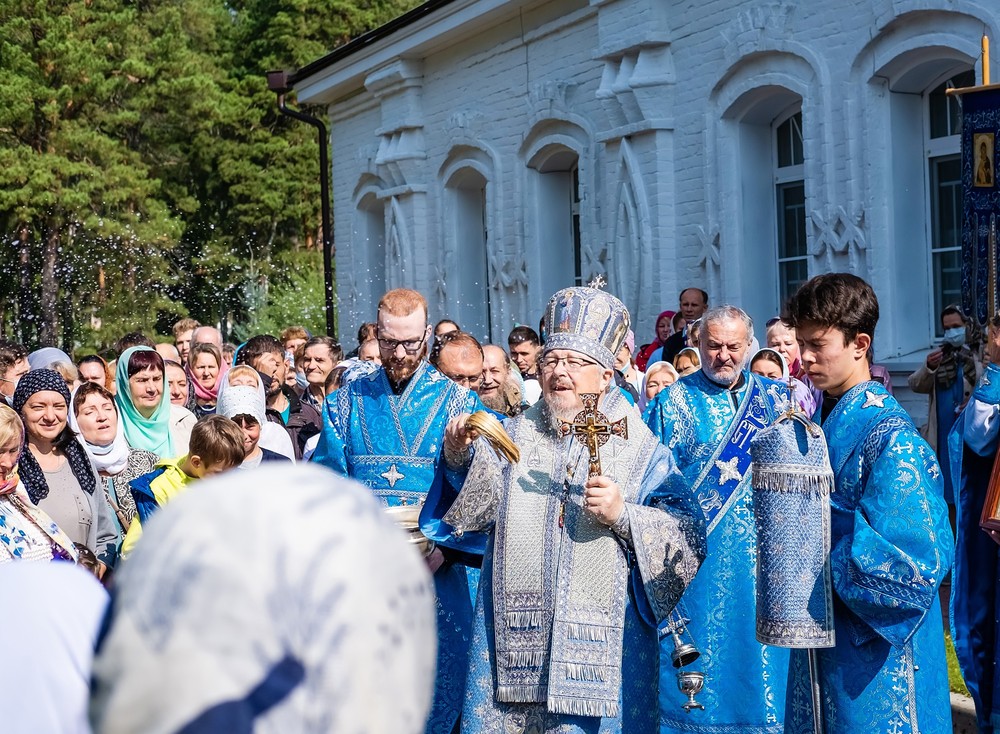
{"type": "Point", "coordinates": [587, 632]}
{"type": "Point", "coordinates": [584, 672]}
{"type": "Point", "coordinates": [792, 481]}
{"type": "Point", "coordinates": [583, 707]}
{"type": "Point", "coordinates": [525, 658]}
{"type": "Point", "coordinates": [523, 620]}
{"type": "Point", "coordinates": [520, 694]}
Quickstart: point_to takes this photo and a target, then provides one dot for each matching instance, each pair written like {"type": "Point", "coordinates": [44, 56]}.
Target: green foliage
{"type": "Point", "coordinates": [956, 682]}
{"type": "Point", "coordinates": [293, 296]}
{"type": "Point", "coordinates": [145, 172]}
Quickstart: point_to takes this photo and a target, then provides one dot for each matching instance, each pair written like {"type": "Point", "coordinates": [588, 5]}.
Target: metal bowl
{"type": "Point", "coordinates": [407, 517]}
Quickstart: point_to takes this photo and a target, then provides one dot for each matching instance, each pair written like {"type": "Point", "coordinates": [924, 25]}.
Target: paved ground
{"type": "Point", "coordinates": [963, 715]}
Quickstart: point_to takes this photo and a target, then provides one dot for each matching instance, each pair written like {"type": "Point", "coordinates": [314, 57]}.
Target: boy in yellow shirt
{"type": "Point", "coordinates": [216, 446]}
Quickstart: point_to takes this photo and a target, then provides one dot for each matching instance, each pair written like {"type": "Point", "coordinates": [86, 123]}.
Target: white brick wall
{"type": "Point", "coordinates": [671, 78]}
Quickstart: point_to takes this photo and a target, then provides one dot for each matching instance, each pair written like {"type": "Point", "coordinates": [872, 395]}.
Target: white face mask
{"type": "Point", "coordinates": [955, 337]}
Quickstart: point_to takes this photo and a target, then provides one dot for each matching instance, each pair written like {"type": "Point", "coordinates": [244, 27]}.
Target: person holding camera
{"type": "Point", "coordinates": [948, 376]}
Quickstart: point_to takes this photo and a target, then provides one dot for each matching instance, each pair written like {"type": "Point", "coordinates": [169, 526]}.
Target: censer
{"type": "Point", "coordinates": [690, 682]}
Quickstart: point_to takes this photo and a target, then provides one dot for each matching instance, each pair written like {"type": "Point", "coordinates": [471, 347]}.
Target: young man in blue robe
{"type": "Point", "coordinates": [975, 582]}
{"type": "Point", "coordinates": [386, 429]}
{"type": "Point", "coordinates": [582, 564]}
{"type": "Point", "coordinates": [891, 544]}
{"type": "Point", "coordinates": [706, 420]}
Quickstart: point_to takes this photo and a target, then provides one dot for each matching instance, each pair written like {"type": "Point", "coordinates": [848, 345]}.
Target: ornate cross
{"type": "Point", "coordinates": [593, 429]}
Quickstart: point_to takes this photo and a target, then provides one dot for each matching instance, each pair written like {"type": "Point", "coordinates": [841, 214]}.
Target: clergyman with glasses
{"type": "Point", "coordinates": [585, 558]}
{"type": "Point", "coordinates": [387, 429]}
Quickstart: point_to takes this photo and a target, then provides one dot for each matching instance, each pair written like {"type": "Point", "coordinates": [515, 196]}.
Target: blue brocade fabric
{"type": "Point", "coordinates": [975, 584]}
{"type": "Point", "coordinates": [484, 715]}
{"type": "Point", "coordinates": [393, 443]}
{"type": "Point", "coordinates": [892, 547]}
{"type": "Point", "coordinates": [792, 480]}
{"type": "Point", "coordinates": [744, 680]}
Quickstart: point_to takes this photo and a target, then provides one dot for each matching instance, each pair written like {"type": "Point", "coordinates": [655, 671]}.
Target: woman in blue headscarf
{"type": "Point", "coordinates": [150, 421]}
{"type": "Point", "coordinates": [55, 469]}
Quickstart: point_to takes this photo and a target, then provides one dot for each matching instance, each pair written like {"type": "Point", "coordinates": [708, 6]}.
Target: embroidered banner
{"type": "Point", "coordinates": [716, 488]}
{"type": "Point", "coordinates": [981, 201]}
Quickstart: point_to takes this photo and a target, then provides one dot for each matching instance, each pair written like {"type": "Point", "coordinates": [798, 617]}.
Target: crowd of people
{"type": "Point", "coordinates": [560, 581]}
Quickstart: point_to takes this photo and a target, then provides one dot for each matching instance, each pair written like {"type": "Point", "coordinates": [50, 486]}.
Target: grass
{"type": "Point", "coordinates": [955, 680]}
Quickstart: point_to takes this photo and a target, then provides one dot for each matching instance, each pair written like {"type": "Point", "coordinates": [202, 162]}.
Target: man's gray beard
{"type": "Point", "coordinates": [559, 414]}
{"type": "Point", "coordinates": [715, 377]}
{"type": "Point", "coordinates": [495, 401]}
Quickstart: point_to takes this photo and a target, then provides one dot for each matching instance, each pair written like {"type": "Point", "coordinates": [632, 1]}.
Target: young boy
{"type": "Point", "coordinates": [891, 544]}
{"type": "Point", "coordinates": [216, 446]}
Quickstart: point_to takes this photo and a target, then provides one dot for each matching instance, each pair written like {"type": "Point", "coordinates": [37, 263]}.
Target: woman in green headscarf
{"type": "Point", "coordinates": [144, 406]}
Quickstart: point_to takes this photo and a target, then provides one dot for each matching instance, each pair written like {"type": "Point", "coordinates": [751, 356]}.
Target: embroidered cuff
{"type": "Point", "coordinates": [458, 459]}
{"type": "Point", "coordinates": [622, 527]}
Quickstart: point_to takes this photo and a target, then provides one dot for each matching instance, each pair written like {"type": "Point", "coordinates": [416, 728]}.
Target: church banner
{"type": "Point", "coordinates": [981, 200]}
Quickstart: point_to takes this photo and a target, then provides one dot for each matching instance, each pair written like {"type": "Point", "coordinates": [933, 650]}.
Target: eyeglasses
{"type": "Point", "coordinates": [573, 364]}
{"type": "Point", "coordinates": [470, 381]}
{"type": "Point", "coordinates": [410, 346]}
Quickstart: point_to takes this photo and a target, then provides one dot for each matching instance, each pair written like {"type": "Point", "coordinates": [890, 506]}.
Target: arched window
{"type": "Point", "coordinates": [790, 200]}
{"type": "Point", "coordinates": [557, 216]}
{"type": "Point", "coordinates": [468, 285]}
{"type": "Point", "coordinates": [369, 249]}
{"type": "Point", "coordinates": [943, 131]}
{"type": "Point", "coordinates": [761, 168]}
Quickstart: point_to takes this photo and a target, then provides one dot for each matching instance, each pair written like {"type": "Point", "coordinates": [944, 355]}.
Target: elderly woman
{"type": "Point", "coordinates": [55, 469]}
{"type": "Point", "coordinates": [687, 361]}
{"type": "Point", "coordinates": [149, 420]}
{"type": "Point", "coordinates": [95, 418]}
{"type": "Point", "coordinates": [781, 338]}
{"type": "Point", "coordinates": [28, 533]}
{"type": "Point", "coordinates": [771, 363]}
{"type": "Point", "coordinates": [658, 376]}
{"type": "Point", "coordinates": [206, 369]}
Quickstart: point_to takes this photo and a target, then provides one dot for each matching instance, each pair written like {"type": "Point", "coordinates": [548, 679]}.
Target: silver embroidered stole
{"type": "Point", "coordinates": [559, 594]}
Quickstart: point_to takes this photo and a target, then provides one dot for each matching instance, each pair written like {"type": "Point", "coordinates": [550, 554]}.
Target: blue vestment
{"type": "Point", "coordinates": [707, 427]}
{"type": "Point", "coordinates": [975, 584]}
{"type": "Point", "coordinates": [565, 638]}
{"type": "Point", "coordinates": [393, 443]}
{"type": "Point", "coordinates": [891, 546]}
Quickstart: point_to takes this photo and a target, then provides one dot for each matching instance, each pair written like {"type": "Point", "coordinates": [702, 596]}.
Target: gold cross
{"type": "Point", "coordinates": [593, 429]}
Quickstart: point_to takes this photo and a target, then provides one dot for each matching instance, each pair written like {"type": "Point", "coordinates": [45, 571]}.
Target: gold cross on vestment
{"type": "Point", "coordinates": [593, 429]}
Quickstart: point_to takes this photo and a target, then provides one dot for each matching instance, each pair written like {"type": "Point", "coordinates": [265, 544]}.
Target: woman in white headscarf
{"type": "Point", "coordinates": [272, 436]}
{"type": "Point", "coordinates": [28, 533]}
{"type": "Point", "coordinates": [94, 417]}
{"type": "Point", "coordinates": [52, 614]}
{"type": "Point", "coordinates": [658, 375]}
{"type": "Point", "coordinates": [771, 363]}
{"type": "Point", "coordinates": [280, 600]}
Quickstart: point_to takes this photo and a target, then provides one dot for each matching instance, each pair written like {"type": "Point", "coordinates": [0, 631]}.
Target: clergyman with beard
{"type": "Point", "coordinates": [707, 421]}
{"type": "Point", "coordinates": [387, 429]}
{"type": "Point", "coordinates": [578, 570]}
{"type": "Point", "coordinates": [499, 390]}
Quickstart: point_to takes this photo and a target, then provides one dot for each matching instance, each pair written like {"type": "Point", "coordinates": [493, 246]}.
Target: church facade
{"type": "Point", "coordinates": [490, 152]}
